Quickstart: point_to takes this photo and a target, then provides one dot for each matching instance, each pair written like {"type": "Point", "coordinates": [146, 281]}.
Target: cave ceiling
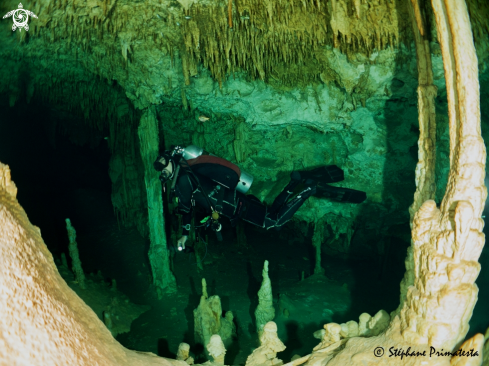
{"type": "Point", "coordinates": [335, 79]}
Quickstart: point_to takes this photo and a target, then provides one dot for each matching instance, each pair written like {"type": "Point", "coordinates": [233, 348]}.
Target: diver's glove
{"type": "Point", "coordinates": [181, 243]}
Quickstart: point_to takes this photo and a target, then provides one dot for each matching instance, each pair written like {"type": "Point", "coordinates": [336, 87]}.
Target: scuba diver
{"type": "Point", "coordinates": [219, 187]}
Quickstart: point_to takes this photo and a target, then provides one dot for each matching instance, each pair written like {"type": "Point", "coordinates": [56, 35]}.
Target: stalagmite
{"type": "Point", "coordinates": [438, 293]}
{"type": "Point", "coordinates": [317, 240]}
{"type": "Point", "coordinates": [353, 330]}
{"type": "Point", "coordinates": [216, 349]}
{"type": "Point", "coordinates": [208, 319]}
{"type": "Point", "coordinates": [379, 322]}
{"type": "Point", "coordinates": [425, 169]}
{"type": "Point", "coordinates": [228, 329]}
{"type": "Point", "coordinates": [363, 329]}
{"type": "Point", "coordinates": [367, 326]}
{"type": "Point", "coordinates": [64, 261]}
{"type": "Point", "coordinates": [266, 354]}
{"type": "Point", "coordinates": [204, 289]}
{"type": "Point", "coordinates": [183, 353]}
{"type": "Point", "coordinates": [331, 335]}
{"type": "Point", "coordinates": [159, 254]}
{"type": "Point", "coordinates": [319, 334]}
{"type": "Point", "coordinates": [198, 259]}
{"type": "Point", "coordinates": [446, 254]}
{"type": "Point", "coordinates": [446, 242]}
{"type": "Point", "coordinates": [108, 320]}
{"type": "Point", "coordinates": [75, 257]}
{"type": "Point", "coordinates": [265, 312]}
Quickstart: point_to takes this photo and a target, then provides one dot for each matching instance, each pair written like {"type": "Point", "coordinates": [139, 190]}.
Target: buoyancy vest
{"type": "Point", "coordinates": [217, 169]}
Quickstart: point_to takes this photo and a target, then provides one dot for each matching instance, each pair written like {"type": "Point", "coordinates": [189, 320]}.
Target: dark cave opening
{"type": "Point", "coordinates": [48, 169]}
{"type": "Point", "coordinates": [58, 179]}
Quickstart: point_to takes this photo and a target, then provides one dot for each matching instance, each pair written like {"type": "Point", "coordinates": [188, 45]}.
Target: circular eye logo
{"type": "Point", "coordinates": [20, 17]}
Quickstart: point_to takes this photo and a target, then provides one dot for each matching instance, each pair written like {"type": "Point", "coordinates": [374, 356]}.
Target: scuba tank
{"type": "Point", "coordinates": [196, 155]}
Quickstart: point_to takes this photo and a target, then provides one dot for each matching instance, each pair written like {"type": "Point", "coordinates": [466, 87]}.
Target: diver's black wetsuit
{"type": "Point", "coordinates": [236, 205]}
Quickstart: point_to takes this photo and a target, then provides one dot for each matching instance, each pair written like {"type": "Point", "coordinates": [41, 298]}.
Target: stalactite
{"type": "Point", "coordinates": [230, 13]}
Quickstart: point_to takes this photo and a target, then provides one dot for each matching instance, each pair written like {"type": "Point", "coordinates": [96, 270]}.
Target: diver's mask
{"type": "Point", "coordinates": [161, 163]}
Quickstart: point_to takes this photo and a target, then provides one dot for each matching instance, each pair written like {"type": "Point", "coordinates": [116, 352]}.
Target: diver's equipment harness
{"type": "Point", "coordinates": [176, 156]}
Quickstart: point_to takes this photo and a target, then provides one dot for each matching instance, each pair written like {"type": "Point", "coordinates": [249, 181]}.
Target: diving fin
{"type": "Point", "coordinates": [340, 194]}
{"type": "Point", "coordinates": [324, 174]}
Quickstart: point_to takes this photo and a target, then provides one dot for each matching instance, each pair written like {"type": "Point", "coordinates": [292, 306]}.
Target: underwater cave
{"type": "Point", "coordinates": [243, 183]}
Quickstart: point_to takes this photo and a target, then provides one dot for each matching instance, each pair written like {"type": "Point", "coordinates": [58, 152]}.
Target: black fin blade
{"type": "Point", "coordinates": [340, 194]}
{"type": "Point", "coordinates": [334, 174]}
{"type": "Point", "coordinates": [324, 174]}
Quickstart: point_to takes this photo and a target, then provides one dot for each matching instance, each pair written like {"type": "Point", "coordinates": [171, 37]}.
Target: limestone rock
{"type": "Point", "coordinates": [353, 330]}
{"type": "Point", "coordinates": [265, 355]}
{"type": "Point", "coordinates": [319, 334]}
{"type": "Point", "coordinates": [159, 255]}
{"type": "Point", "coordinates": [228, 329]}
{"type": "Point", "coordinates": [332, 334]}
{"type": "Point", "coordinates": [485, 351]}
{"type": "Point", "coordinates": [209, 321]}
{"type": "Point", "coordinates": [446, 241]}
{"type": "Point", "coordinates": [368, 326]}
{"type": "Point", "coordinates": [35, 300]}
{"type": "Point", "coordinates": [183, 354]}
{"type": "Point", "coordinates": [379, 322]}
{"type": "Point", "coordinates": [183, 351]}
{"type": "Point", "coordinates": [363, 328]}
{"type": "Point", "coordinates": [474, 347]}
{"type": "Point", "coordinates": [265, 311]}
{"type": "Point", "coordinates": [216, 349]}
{"type": "Point", "coordinates": [111, 306]}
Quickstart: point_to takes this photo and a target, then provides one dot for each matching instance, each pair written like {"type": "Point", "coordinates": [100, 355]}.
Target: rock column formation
{"type": "Point", "coordinates": [265, 311]}
{"type": "Point", "coordinates": [447, 242]}
{"type": "Point", "coordinates": [159, 255]}
{"type": "Point", "coordinates": [425, 168]}
{"type": "Point", "coordinates": [317, 240]}
{"type": "Point", "coordinates": [216, 350]}
{"type": "Point", "coordinates": [266, 354]}
{"type": "Point", "coordinates": [75, 257]}
{"type": "Point", "coordinates": [208, 320]}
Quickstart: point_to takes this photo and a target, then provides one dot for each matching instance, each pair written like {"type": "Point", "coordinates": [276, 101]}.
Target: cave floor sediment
{"type": "Point", "coordinates": [349, 287]}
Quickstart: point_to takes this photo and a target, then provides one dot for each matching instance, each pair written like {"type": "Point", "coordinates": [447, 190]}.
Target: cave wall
{"type": "Point", "coordinates": [358, 110]}
{"type": "Point", "coordinates": [424, 227]}
{"type": "Point", "coordinates": [276, 131]}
